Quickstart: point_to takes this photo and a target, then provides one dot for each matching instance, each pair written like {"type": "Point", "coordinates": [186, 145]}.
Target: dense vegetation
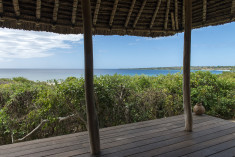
{"type": "Point", "coordinates": [58, 107]}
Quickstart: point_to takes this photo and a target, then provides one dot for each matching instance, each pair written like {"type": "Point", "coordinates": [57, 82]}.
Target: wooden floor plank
{"type": "Point", "coordinates": [225, 153]}
{"type": "Point", "coordinates": [198, 147]}
{"type": "Point", "coordinates": [224, 144]}
{"type": "Point", "coordinates": [152, 137]}
{"type": "Point", "coordinates": [138, 149]}
{"type": "Point", "coordinates": [190, 142]}
{"type": "Point", "coordinates": [162, 137]}
{"type": "Point", "coordinates": [125, 135]}
{"type": "Point", "coordinates": [106, 131]}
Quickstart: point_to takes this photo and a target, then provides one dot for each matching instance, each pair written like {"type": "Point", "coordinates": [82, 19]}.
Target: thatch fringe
{"type": "Point", "coordinates": [128, 17]}
{"type": "Point", "coordinates": [139, 14]}
{"type": "Point", "coordinates": [130, 12]}
{"type": "Point", "coordinates": [155, 13]}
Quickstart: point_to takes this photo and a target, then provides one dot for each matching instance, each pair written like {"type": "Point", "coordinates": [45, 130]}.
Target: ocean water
{"type": "Point", "coordinates": [49, 74]}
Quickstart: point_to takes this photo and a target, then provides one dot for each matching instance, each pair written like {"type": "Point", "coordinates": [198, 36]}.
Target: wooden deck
{"type": "Point", "coordinates": [162, 137]}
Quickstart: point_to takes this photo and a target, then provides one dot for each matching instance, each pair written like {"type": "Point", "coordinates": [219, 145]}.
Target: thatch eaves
{"type": "Point", "coordinates": [150, 18]}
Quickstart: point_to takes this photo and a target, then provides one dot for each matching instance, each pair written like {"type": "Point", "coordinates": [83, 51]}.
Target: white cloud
{"type": "Point", "coordinates": [30, 44]}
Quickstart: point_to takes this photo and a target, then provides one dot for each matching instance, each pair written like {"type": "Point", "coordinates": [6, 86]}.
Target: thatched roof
{"type": "Point", "coordinates": [114, 17]}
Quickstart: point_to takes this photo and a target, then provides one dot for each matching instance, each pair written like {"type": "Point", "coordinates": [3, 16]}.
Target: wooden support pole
{"type": "Point", "coordinates": [97, 8]}
{"type": "Point", "coordinates": [113, 12]}
{"type": "Point", "coordinates": [139, 14]}
{"type": "Point", "coordinates": [130, 12]}
{"type": "Point", "coordinates": [1, 7]}
{"type": "Point", "coordinates": [155, 13]}
{"type": "Point", "coordinates": [74, 12]}
{"type": "Point", "coordinates": [38, 9]}
{"type": "Point", "coordinates": [93, 126]}
{"type": "Point", "coordinates": [16, 7]}
{"type": "Point", "coordinates": [176, 15]}
{"type": "Point", "coordinates": [55, 11]}
{"type": "Point", "coordinates": [204, 10]}
{"type": "Point", "coordinates": [167, 13]}
{"type": "Point", "coordinates": [186, 66]}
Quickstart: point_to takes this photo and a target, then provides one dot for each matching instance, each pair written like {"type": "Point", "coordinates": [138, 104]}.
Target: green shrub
{"type": "Point", "coordinates": [118, 99]}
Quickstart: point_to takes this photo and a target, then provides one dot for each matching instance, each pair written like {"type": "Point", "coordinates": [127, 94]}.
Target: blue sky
{"type": "Point", "coordinates": [211, 46]}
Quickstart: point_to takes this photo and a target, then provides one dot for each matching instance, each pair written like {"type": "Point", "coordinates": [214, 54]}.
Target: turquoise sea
{"type": "Point", "coordinates": [49, 74]}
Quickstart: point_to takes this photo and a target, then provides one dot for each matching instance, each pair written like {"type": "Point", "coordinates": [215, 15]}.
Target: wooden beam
{"type": "Point", "coordinates": [55, 11]}
{"type": "Point", "coordinates": [172, 21]}
{"type": "Point", "coordinates": [155, 13]}
{"type": "Point", "coordinates": [176, 15]}
{"type": "Point", "coordinates": [38, 9]}
{"type": "Point", "coordinates": [167, 13]}
{"type": "Point", "coordinates": [16, 7]}
{"type": "Point", "coordinates": [186, 66]}
{"type": "Point", "coordinates": [130, 12]}
{"type": "Point", "coordinates": [93, 126]}
{"type": "Point", "coordinates": [97, 8]}
{"type": "Point", "coordinates": [139, 14]}
{"type": "Point", "coordinates": [204, 10]}
{"type": "Point", "coordinates": [74, 12]}
{"type": "Point", "coordinates": [183, 14]}
{"type": "Point", "coordinates": [1, 7]}
{"type": "Point", "coordinates": [113, 13]}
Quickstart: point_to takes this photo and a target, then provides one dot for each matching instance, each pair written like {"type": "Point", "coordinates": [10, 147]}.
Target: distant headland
{"type": "Point", "coordinates": [209, 68]}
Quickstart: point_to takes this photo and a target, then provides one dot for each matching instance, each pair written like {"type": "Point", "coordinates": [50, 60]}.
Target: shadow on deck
{"type": "Point", "coordinates": [162, 137]}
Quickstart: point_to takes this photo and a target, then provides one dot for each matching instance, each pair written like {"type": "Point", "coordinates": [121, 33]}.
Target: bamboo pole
{"type": "Point", "coordinates": [139, 13]}
{"type": "Point", "coordinates": [167, 13]}
{"type": "Point", "coordinates": [155, 14]}
{"type": "Point", "coordinates": [1, 7]}
{"type": "Point", "coordinates": [186, 66]}
{"type": "Point", "coordinates": [74, 12]}
{"type": "Point", "coordinates": [93, 126]}
{"type": "Point", "coordinates": [129, 13]}
{"type": "Point", "coordinates": [38, 9]}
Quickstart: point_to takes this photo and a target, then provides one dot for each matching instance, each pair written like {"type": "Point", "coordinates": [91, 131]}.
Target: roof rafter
{"type": "Point", "coordinates": [130, 12]}
{"type": "Point", "coordinates": [167, 13]}
{"type": "Point", "coordinates": [176, 15]}
{"type": "Point", "coordinates": [74, 12]}
{"type": "Point", "coordinates": [55, 11]}
{"type": "Point", "coordinates": [155, 13]}
{"type": "Point", "coordinates": [204, 10]}
{"type": "Point", "coordinates": [16, 7]}
{"type": "Point", "coordinates": [233, 9]}
{"type": "Point", "coordinates": [97, 8]}
{"type": "Point", "coordinates": [38, 9]}
{"type": "Point", "coordinates": [113, 12]}
{"type": "Point", "coordinates": [139, 14]}
{"type": "Point", "coordinates": [172, 21]}
{"type": "Point", "coordinates": [1, 7]}
{"type": "Point", "coordinates": [183, 14]}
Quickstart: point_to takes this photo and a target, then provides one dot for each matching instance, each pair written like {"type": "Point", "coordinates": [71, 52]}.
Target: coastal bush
{"type": "Point", "coordinates": [58, 107]}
